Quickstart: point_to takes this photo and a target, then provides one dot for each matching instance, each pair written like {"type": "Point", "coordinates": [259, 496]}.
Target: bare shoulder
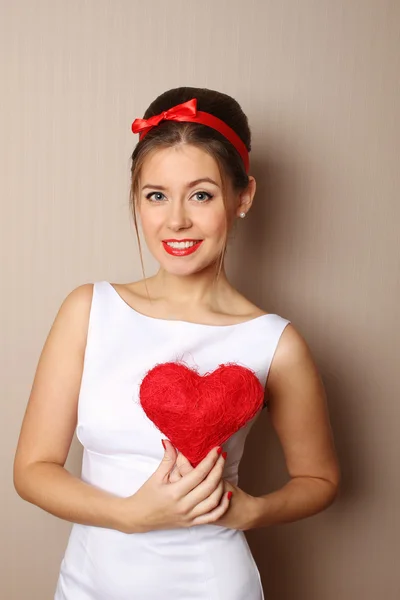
{"type": "Point", "coordinates": [292, 351]}
{"type": "Point", "coordinates": [75, 308]}
{"type": "Point", "coordinates": [293, 367]}
{"type": "Point", "coordinates": [80, 298]}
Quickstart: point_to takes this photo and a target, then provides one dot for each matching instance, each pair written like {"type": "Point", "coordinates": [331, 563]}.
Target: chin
{"type": "Point", "coordinates": [181, 270]}
{"type": "Point", "coordinates": [181, 266]}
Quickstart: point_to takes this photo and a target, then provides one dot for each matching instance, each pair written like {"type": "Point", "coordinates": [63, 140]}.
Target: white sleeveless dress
{"type": "Point", "coordinates": [122, 449]}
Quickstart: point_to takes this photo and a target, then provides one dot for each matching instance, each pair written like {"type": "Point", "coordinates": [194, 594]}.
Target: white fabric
{"type": "Point", "coordinates": [122, 448]}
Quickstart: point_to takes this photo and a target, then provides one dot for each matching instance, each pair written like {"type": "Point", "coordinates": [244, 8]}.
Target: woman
{"type": "Point", "coordinates": [148, 522]}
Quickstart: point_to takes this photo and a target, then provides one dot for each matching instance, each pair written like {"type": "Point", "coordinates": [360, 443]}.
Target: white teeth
{"type": "Point", "coordinates": [181, 245]}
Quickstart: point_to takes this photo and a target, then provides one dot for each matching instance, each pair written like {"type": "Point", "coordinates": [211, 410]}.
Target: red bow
{"type": "Point", "coordinates": [177, 113]}
{"type": "Point", "coordinates": [187, 111]}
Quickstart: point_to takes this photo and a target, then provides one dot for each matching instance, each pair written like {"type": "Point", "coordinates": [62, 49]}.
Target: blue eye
{"type": "Point", "coordinates": [152, 193]}
{"type": "Point", "coordinates": [208, 196]}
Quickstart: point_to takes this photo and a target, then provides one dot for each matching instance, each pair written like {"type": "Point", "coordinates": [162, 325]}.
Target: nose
{"type": "Point", "coordinates": [178, 217]}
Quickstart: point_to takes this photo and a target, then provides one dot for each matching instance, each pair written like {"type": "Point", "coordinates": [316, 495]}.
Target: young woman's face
{"type": "Point", "coordinates": [181, 208]}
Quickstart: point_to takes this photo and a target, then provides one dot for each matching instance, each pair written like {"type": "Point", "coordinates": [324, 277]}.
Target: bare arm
{"type": "Point", "coordinates": [50, 420]}
{"type": "Point", "coordinates": [299, 415]}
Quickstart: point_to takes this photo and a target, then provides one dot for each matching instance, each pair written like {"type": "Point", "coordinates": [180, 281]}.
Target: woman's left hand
{"type": "Point", "coordinates": [242, 508]}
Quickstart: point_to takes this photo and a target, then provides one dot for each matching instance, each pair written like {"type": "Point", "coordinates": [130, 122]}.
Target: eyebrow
{"type": "Point", "coordinates": [188, 185]}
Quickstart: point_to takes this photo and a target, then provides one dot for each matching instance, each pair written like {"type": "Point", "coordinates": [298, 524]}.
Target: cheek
{"type": "Point", "coordinates": [150, 221]}
{"type": "Point", "coordinates": [217, 224]}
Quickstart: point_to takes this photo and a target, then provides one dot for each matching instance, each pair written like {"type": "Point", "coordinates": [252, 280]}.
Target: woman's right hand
{"type": "Point", "coordinates": [197, 498]}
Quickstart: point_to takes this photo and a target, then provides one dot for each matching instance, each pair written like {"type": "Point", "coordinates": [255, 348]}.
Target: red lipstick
{"type": "Point", "coordinates": [181, 251]}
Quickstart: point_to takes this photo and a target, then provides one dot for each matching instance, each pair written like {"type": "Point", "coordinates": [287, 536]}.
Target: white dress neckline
{"type": "Point", "coordinates": [175, 321]}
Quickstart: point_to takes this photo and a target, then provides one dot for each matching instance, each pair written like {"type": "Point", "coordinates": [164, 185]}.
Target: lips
{"type": "Point", "coordinates": [181, 251]}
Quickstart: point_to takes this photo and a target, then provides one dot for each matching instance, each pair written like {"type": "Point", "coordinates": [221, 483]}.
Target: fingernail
{"type": "Point", "coordinates": [230, 494]}
{"type": "Point", "coordinates": [219, 450]}
{"type": "Point", "coordinates": [163, 443]}
{"type": "Point", "coordinates": [224, 455]}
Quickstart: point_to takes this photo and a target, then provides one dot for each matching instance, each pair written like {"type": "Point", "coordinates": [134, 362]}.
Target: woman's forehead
{"type": "Point", "coordinates": [183, 161]}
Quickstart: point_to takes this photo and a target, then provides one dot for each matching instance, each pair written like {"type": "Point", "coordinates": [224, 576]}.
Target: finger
{"type": "Point", "coordinates": [168, 461]}
{"type": "Point", "coordinates": [200, 472]}
{"type": "Point", "coordinates": [183, 464]}
{"type": "Point", "coordinates": [216, 513]}
{"type": "Point", "coordinates": [207, 505]}
{"type": "Point", "coordinates": [175, 474]}
{"type": "Point", "coordinates": [207, 486]}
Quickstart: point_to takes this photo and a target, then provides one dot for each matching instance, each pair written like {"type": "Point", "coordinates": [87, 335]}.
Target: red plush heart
{"type": "Point", "coordinates": [198, 412]}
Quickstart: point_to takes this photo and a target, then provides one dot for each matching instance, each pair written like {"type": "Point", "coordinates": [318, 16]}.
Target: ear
{"type": "Point", "coordinates": [246, 197]}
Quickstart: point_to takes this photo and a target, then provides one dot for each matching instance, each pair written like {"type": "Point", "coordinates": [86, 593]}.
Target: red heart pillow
{"type": "Point", "coordinates": [198, 412]}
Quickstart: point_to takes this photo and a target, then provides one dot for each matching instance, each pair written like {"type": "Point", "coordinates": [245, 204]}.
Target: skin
{"type": "Point", "coordinates": [177, 495]}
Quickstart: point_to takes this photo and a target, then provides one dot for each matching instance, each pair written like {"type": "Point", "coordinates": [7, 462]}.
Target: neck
{"type": "Point", "coordinates": [196, 289]}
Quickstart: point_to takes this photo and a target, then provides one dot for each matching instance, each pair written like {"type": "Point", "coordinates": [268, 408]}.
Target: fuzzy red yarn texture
{"type": "Point", "coordinates": [198, 412]}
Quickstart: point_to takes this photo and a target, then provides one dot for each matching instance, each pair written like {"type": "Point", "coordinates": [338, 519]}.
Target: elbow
{"type": "Point", "coordinates": [333, 493]}
{"type": "Point", "coordinates": [19, 481]}
{"type": "Point", "coordinates": [332, 478]}
{"type": "Point", "coordinates": [329, 489]}
{"type": "Point", "coordinates": [336, 481]}
{"type": "Point", "coordinates": [333, 488]}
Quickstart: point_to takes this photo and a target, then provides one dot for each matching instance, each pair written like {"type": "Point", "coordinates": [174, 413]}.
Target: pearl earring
{"type": "Point", "coordinates": [242, 215]}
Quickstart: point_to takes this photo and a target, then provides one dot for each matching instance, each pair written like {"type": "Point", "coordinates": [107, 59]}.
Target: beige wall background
{"type": "Point", "coordinates": [319, 81]}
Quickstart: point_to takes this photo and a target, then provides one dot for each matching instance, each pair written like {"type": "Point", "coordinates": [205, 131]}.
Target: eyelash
{"type": "Point", "coordinates": [148, 196]}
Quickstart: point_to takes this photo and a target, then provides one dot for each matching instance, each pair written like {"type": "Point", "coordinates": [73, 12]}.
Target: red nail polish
{"type": "Point", "coordinates": [163, 443]}
{"type": "Point", "coordinates": [230, 495]}
{"type": "Point", "coordinates": [219, 450]}
{"type": "Point", "coordinates": [224, 455]}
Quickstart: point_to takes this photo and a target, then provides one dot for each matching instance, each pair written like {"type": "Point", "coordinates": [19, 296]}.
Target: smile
{"type": "Point", "coordinates": [181, 248]}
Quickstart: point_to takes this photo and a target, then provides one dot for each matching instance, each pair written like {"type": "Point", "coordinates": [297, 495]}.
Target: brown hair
{"type": "Point", "coordinates": [172, 133]}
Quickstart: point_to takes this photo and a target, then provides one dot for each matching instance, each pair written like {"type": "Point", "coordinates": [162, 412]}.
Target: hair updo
{"type": "Point", "coordinates": [172, 133]}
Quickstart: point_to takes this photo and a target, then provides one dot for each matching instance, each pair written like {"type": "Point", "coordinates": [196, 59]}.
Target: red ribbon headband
{"type": "Point", "coordinates": [188, 112]}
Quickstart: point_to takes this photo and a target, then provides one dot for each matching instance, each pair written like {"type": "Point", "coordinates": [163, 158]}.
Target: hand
{"type": "Point", "coordinates": [241, 508]}
{"type": "Point", "coordinates": [196, 499]}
